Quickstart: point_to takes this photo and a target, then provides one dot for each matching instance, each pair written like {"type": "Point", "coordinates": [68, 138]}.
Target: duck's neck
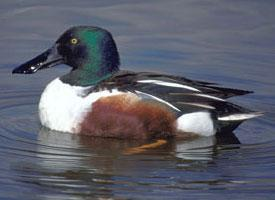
{"type": "Point", "coordinates": [87, 77]}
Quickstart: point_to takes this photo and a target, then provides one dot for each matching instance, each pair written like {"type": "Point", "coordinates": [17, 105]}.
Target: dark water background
{"type": "Point", "coordinates": [229, 42]}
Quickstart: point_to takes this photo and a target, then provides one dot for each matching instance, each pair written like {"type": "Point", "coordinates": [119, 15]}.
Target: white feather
{"type": "Point", "coordinates": [62, 106]}
{"type": "Point", "coordinates": [240, 117]}
{"type": "Point", "coordinates": [198, 105]}
{"type": "Point", "coordinates": [199, 123]}
{"type": "Point", "coordinates": [158, 99]}
{"type": "Point", "coordinates": [209, 97]}
{"type": "Point", "coordinates": [169, 84]}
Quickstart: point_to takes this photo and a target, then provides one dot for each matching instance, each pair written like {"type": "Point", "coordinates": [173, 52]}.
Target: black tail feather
{"type": "Point", "coordinates": [229, 92]}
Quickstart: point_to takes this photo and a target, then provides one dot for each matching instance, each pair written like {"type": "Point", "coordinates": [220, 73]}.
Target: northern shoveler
{"type": "Point", "coordinates": [98, 99]}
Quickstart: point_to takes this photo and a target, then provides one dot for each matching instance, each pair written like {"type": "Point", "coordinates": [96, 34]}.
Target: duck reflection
{"type": "Point", "coordinates": [56, 144]}
{"type": "Point", "coordinates": [94, 154]}
{"type": "Point", "coordinates": [203, 148]}
{"type": "Point", "coordinates": [87, 166]}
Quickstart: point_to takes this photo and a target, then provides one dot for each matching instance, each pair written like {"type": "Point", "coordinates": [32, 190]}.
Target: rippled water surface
{"type": "Point", "coordinates": [229, 42]}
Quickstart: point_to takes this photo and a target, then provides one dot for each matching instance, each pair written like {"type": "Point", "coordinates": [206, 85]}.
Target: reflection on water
{"type": "Point", "coordinates": [72, 165]}
{"type": "Point", "coordinates": [229, 42]}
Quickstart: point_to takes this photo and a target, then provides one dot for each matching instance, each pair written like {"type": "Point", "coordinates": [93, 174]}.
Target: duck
{"type": "Point", "coordinates": [97, 98]}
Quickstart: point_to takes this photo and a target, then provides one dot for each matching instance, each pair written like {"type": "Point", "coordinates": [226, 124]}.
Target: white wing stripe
{"type": "Point", "coordinates": [169, 84]}
{"type": "Point", "coordinates": [158, 99]}
{"type": "Point", "coordinates": [198, 105]}
{"type": "Point", "coordinates": [209, 97]}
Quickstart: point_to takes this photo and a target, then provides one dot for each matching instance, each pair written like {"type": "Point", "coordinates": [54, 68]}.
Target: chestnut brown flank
{"type": "Point", "coordinates": [126, 116]}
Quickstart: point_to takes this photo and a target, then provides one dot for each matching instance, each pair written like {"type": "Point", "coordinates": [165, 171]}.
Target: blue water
{"type": "Point", "coordinates": [228, 42]}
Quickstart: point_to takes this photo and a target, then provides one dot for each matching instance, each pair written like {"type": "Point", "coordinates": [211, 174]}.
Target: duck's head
{"type": "Point", "coordinates": [90, 51]}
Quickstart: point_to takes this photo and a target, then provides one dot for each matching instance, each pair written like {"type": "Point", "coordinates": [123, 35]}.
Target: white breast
{"type": "Point", "coordinates": [62, 106]}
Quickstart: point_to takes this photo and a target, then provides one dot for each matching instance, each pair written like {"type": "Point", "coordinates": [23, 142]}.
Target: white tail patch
{"type": "Point", "coordinates": [169, 84]}
{"type": "Point", "coordinates": [158, 99]}
{"type": "Point", "coordinates": [199, 123]}
{"type": "Point", "coordinates": [240, 117]}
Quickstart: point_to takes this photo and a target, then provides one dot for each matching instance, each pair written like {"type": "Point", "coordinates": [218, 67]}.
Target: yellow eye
{"type": "Point", "coordinates": [74, 41]}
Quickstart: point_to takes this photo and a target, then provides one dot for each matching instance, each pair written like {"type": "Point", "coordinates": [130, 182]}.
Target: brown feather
{"type": "Point", "coordinates": [126, 116]}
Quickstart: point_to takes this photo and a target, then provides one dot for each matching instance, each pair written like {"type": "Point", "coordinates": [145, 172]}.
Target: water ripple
{"type": "Point", "coordinates": [231, 43]}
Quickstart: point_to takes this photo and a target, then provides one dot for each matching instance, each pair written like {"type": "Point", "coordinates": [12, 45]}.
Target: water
{"type": "Point", "coordinates": [229, 42]}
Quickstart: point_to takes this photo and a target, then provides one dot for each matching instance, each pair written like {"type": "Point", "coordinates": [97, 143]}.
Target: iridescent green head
{"type": "Point", "coordinates": [90, 51]}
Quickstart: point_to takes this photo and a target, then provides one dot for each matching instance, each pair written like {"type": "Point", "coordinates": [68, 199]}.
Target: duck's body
{"type": "Point", "coordinates": [135, 105]}
{"type": "Point", "coordinates": [98, 99]}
